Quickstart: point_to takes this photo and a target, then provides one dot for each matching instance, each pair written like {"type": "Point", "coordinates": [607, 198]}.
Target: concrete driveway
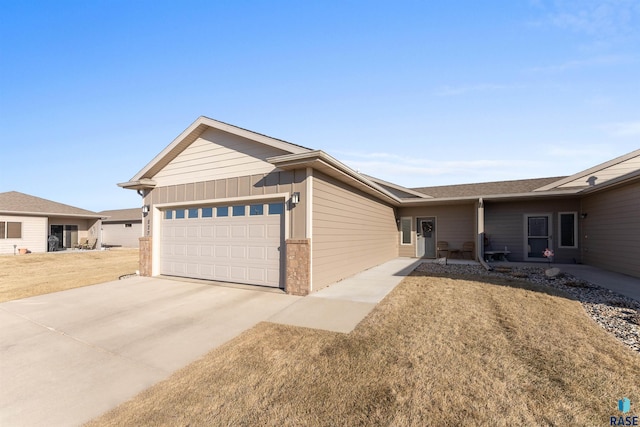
{"type": "Point", "coordinates": [67, 357]}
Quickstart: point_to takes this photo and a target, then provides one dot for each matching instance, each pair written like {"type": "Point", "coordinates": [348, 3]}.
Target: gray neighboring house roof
{"type": "Point", "coordinates": [14, 202]}
{"type": "Point", "coordinates": [121, 215]}
{"type": "Point", "coordinates": [487, 188]}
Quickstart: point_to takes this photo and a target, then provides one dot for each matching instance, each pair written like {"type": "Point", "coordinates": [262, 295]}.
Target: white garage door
{"type": "Point", "coordinates": [235, 243]}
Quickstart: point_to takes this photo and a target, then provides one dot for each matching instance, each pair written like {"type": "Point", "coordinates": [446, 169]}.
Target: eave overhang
{"type": "Point", "coordinates": [52, 214]}
{"type": "Point", "coordinates": [321, 161]}
{"type": "Point", "coordinates": [141, 184]}
{"type": "Point", "coordinates": [490, 197]}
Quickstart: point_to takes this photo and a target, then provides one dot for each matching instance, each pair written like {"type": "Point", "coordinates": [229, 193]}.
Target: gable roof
{"type": "Point", "coordinates": [619, 167]}
{"type": "Point", "coordinates": [14, 202]}
{"type": "Point", "coordinates": [143, 179]}
{"type": "Point", "coordinates": [116, 215]}
{"type": "Point", "coordinates": [487, 188]}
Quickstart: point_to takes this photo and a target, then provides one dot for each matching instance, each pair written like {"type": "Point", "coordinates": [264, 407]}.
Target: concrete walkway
{"type": "Point", "coordinates": [70, 356]}
{"type": "Point", "coordinates": [341, 306]}
{"type": "Point", "coordinates": [621, 283]}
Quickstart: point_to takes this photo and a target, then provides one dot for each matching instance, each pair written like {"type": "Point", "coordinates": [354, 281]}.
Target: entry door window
{"type": "Point", "coordinates": [538, 229]}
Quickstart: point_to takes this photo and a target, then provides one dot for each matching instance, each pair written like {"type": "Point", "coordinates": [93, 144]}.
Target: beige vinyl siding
{"type": "Point", "coordinates": [454, 224]}
{"type": "Point", "coordinates": [243, 186]}
{"type": "Point", "coordinates": [117, 234]}
{"type": "Point", "coordinates": [612, 229]}
{"type": "Point", "coordinates": [217, 155]}
{"type": "Point", "coordinates": [504, 226]}
{"type": "Point", "coordinates": [604, 175]}
{"type": "Point", "coordinates": [351, 231]}
{"type": "Point", "coordinates": [34, 234]}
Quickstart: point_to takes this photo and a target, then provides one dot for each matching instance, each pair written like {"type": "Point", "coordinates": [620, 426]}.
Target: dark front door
{"type": "Point", "coordinates": [426, 237]}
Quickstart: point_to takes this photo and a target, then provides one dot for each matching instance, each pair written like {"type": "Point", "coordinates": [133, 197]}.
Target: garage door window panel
{"type": "Point", "coordinates": [255, 210]}
{"type": "Point", "coordinates": [222, 211]}
{"type": "Point", "coordinates": [276, 208]}
{"type": "Point", "coordinates": [239, 210]}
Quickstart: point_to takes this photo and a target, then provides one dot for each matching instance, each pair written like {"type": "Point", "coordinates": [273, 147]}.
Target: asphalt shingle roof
{"type": "Point", "coordinates": [487, 188]}
{"type": "Point", "coordinates": [16, 202]}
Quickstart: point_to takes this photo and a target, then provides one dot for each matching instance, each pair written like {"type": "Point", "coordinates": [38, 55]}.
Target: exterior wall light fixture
{"type": "Point", "coordinates": [295, 198]}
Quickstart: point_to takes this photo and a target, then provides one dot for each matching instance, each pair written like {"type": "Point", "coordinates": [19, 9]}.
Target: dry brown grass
{"type": "Point", "coordinates": [436, 351]}
{"type": "Point", "coordinates": [28, 275]}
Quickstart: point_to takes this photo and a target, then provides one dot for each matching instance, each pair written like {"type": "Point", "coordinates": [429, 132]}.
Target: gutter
{"type": "Point", "coordinates": [313, 158]}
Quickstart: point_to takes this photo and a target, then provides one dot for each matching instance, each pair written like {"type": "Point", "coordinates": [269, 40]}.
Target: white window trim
{"type": "Point", "coordinates": [575, 229]}
{"type": "Point", "coordinates": [410, 219]}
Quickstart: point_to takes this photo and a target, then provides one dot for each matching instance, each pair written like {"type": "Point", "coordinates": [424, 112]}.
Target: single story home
{"type": "Point", "coordinates": [27, 222]}
{"type": "Point", "coordinates": [121, 228]}
{"type": "Point", "coordinates": [227, 204]}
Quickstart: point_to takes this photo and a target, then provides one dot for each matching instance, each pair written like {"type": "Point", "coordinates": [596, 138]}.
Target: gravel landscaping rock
{"type": "Point", "coordinates": [617, 314]}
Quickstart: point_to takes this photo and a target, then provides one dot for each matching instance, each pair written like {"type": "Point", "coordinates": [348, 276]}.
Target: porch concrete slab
{"type": "Point", "coordinates": [621, 283]}
{"type": "Point", "coordinates": [67, 357]}
{"type": "Point", "coordinates": [341, 306]}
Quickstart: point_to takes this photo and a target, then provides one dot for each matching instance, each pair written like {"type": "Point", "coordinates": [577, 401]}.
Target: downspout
{"type": "Point", "coordinates": [480, 236]}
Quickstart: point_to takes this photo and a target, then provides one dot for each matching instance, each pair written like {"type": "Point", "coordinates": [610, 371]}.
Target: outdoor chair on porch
{"type": "Point", "coordinates": [81, 244]}
{"type": "Point", "coordinates": [90, 245]}
{"type": "Point", "coordinates": [468, 248]}
{"type": "Point", "coordinates": [444, 247]}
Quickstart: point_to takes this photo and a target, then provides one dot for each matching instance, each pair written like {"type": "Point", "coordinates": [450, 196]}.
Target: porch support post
{"type": "Point", "coordinates": [480, 242]}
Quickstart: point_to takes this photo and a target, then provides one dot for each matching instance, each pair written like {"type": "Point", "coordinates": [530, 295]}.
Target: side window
{"type": "Point", "coordinates": [568, 229]}
{"type": "Point", "coordinates": [405, 229]}
{"type": "Point", "coordinates": [14, 230]}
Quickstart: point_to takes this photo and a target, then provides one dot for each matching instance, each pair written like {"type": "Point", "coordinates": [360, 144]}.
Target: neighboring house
{"type": "Point", "coordinates": [26, 222]}
{"type": "Point", "coordinates": [233, 205]}
{"type": "Point", "coordinates": [121, 228]}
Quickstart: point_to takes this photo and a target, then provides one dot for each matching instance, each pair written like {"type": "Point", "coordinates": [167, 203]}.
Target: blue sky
{"type": "Point", "coordinates": [415, 92]}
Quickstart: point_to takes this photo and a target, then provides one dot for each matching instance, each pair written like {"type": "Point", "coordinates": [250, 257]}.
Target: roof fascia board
{"type": "Point", "coordinates": [312, 158]}
{"type": "Point", "coordinates": [397, 187]}
{"type": "Point", "coordinates": [590, 171]}
{"type": "Point", "coordinates": [494, 197]}
{"type": "Point", "coordinates": [211, 123]}
{"type": "Point", "coordinates": [51, 214]}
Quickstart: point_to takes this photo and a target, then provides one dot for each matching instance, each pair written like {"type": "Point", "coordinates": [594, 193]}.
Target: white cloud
{"type": "Point", "coordinates": [480, 87]}
{"type": "Point", "coordinates": [600, 18]}
{"type": "Point", "coordinates": [583, 63]}
{"type": "Point", "coordinates": [623, 129]}
{"type": "Point", "coordinates": [420, 171]}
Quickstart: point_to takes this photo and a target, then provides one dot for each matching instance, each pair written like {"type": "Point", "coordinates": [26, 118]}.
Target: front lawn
{"type": "Point", "coordinates": [23, 276]}
{"type": "Point", "coordinates": [436, 351]}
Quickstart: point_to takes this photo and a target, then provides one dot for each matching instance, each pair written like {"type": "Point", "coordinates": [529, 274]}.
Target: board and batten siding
{"type": "Point", "coordinates": [34, 234]}
{"type": "Point", "coordinates": [352, 231]}
{"type": "Point", "coordinates": [217, 155]}
{"type": "Point", "coordinates": [265, 184]}
{"type": "Point", "coordinates": [505, 226]}
{"type": "Point", "coordinates": [611, 229]}
{"type": "Point", "coordinates": [455, 224]}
